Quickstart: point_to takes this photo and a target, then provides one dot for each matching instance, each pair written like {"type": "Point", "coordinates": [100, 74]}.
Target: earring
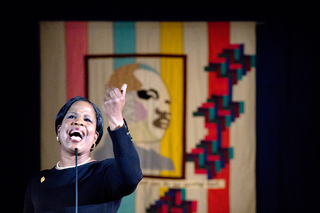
{"type": "Point", "coordinates": [58, 139]}
{"type": "Point", "coordinates": [94, 146]}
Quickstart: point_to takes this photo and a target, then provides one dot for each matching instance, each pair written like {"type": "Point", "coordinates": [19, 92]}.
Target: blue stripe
{"type": "Point", "coordinates": [230, 90]}
{"type": "Point", "coordinates": [124, 40]}
{"type": "Point", "coordinates": [128, 203]}
{"type": "Point", "coordinates": [219, 131]}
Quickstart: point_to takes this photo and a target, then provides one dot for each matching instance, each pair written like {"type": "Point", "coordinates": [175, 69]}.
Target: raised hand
{"type": "Point", "coordinates": [113, 104]}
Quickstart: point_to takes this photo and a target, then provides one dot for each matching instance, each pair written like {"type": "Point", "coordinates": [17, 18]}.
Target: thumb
{"type": "Point", "coordinates": [124, 90]}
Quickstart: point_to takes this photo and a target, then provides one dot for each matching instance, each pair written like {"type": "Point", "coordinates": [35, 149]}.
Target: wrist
{"type": "Point", "coordinates": [115, 125]}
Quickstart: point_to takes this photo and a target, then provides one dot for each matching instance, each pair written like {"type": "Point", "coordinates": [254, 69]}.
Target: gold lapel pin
{"type": "Point", "coordinates": [42, 179]}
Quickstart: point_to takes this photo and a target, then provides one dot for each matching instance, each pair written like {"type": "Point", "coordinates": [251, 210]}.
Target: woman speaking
{"type": "Point", "coordinates": [77, 182]}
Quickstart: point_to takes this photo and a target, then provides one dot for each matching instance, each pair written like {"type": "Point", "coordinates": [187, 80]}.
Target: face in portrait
{"type": "Point", "coordinates": [147, 112]}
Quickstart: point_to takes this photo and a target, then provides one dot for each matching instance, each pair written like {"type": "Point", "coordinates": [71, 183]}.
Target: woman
{"type": "Point", "coordinates": [101, 184]}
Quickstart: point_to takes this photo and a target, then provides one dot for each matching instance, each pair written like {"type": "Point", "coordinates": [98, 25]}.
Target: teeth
{"type": "Point", "coordinates": [76, 132]}
{"type": "Point", "coordinates": [76, 138]}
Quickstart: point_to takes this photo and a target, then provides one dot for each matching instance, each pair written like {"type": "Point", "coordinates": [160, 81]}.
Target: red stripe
{"type": "Point", "coordinates": [176, 210]}
{"type": "Point", "coordinates": [197, 151]}
{"type": "Point", "coordinates": [235, 66]}
{"type": "Point", "coordinates": [164, 208]}
{"type": "Point", "coordinates": [212, 131]}
{"type": "Point", "coordinates": [207, 105]}
{"type": "Point", "coordinates": [233, 46]}
{"type": "Point", "coordinates": [76, 49]}
{"type": "Point", "coordinates": [178, 199]}
{"type": "Point", "coordinates": [213, 158]}
{"type": "Point", "coordinates": [224, 112]}
{"type": "Point", "coordinates": [225, 138]}
{"type": "Point", "coordinates": [218, 86]}
{"type": "Point", "coordinates": [219, 38]}
{"type": "Point", "coordinates": [201, 171]}
{"type": "Point", "coordinates": [193, 206]}
{"type": "Point", "coordinates": [218, 60]}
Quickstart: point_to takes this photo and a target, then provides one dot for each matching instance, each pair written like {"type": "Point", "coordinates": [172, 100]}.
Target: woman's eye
{"type": "Point", "coordinates": [88, 120]}
{"type": "Point", "coordinates": [71, 116]}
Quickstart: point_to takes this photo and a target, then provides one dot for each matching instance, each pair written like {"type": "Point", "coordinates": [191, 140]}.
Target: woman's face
{"type": "Point", "coordinates": [78, 128]}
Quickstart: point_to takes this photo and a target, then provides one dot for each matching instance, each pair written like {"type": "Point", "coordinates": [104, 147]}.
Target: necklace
{"type": "Point", "coordinates": [67, 167]}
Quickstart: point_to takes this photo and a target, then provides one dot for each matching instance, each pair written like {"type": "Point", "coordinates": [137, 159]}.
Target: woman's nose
{"type": "Point", "coordinates": [78, 122]}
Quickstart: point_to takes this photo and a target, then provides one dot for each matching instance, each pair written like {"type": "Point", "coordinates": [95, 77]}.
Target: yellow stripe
{"type": "Point", "coordinates": [171, 37]}
{"type": "Point", "coordinates": [172, 75]}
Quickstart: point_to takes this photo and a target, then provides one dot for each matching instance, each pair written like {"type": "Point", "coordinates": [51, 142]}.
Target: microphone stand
{"type": "Point", "coordinates": [76, 152]}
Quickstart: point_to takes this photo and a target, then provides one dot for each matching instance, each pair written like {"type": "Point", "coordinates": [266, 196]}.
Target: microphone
{"type": "Point", "coordinates": [76, 205]}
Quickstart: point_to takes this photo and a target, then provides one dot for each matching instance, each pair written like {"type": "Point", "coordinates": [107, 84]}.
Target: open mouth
{"type": "Point", "coordinates": [76, 135]}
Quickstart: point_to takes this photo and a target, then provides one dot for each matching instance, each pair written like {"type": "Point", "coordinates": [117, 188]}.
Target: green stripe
{"type": "Point", "coordinates": [211, 114]}
{"type": "Point", "coordinates": [253, 61]}
{"type": "Point", "coordinates": [239, 74]}
{"type": "Point", "coordinates": [228, 120]}
{"type": "Point", "coordinates": [223, 68]}
{"type": "Point", "coordinates": [241, 107]}
{"type": "Point", "coordinates": [218, 166]}
{"type": "Point", "coordinates": [215, 147]}
{"type": "Point", "coordinates": [230, 153]}
{"type": "Point", "coordinates": [124, 41]}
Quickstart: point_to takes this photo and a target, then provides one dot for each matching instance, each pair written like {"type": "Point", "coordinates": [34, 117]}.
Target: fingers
{"type": "Point", "coordinates": [113, 103]}
{"type": "Point", "coordinates": [114, 93]}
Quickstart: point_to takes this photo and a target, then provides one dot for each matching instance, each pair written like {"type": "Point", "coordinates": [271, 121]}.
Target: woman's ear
{"type": "Point", "coordinates": [96, 135]}
{"type": "Point", "coordinates": [58, 132]}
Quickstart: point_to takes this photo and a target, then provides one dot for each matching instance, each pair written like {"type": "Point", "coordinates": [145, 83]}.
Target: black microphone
{"type": "Point", "coordinates": [76, 152]}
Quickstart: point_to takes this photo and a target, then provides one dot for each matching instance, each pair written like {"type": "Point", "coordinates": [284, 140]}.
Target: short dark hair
{"type": "Point", "coordinates": [63, 111]}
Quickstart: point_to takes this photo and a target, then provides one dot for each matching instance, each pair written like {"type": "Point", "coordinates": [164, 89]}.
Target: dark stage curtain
{"type": "Point", "coordinates": [286, 117]}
